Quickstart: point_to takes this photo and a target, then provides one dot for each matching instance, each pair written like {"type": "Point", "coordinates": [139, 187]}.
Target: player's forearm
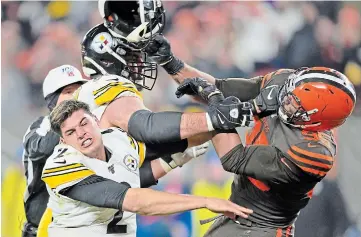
{"type": "Point", "coordinates": [151, 202]}
{"type": "Point", "coordinates": [225, 142]}
{"type": "Point", "coordinates": [188, 71]}
{"type": "Point", "coordinates": [157, 169]}
{"type": "Point", "coordinates": [193, 124]}
{"type": "Point", "coordinates": [150, 172]}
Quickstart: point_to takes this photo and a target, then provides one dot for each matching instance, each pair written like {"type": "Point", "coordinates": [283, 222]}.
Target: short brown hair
{"type": "Point", "coordinates": [63, 111]}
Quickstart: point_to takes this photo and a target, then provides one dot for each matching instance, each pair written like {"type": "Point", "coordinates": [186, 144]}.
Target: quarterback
{"type": "Point", "coordinates": [94, 185]}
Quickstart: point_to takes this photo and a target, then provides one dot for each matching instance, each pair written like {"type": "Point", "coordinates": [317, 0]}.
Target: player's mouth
{"type": "Point", "coordinates": [86, 143]}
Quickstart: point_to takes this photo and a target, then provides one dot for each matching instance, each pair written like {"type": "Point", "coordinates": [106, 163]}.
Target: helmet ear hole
{"type": "Point", "coordinates": [331, 91]}
{"type": "Point", "coordinates": [306, 89]}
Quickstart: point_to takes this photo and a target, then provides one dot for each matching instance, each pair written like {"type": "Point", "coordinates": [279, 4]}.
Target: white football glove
{"type": "Point", "coordinates": [179, 159]}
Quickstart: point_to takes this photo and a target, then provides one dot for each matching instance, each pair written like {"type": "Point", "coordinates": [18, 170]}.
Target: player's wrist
{"type": "Point", "coordinates": [173, 65]}
{"type": "Point", "coordinates": [209, 122]}
{"type": "Point", "coordinates": [167, 163]}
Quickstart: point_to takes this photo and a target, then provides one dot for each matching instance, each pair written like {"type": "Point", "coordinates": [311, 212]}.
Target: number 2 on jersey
{"type": "Point", "coordinates": [113, 228]}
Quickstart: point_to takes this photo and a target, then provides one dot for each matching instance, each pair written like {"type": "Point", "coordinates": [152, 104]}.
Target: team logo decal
{"type": "Point", "coordinates": [101, 41]}
{"type": "Point", "coordinates": [131, 163]}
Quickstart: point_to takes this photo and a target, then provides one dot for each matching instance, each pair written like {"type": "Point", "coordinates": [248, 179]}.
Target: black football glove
{"type": "Point", "coordinates": [230, 113]}
{"type": "Point", "coordinates": [266, 103]}
{"type": "Point", "coordinates": [159, 51]}
{"type": "Point", "coordinates": [200, 87]}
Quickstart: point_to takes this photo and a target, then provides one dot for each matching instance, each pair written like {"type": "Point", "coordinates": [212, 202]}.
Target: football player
{"type": "Point", "coordinates": [39, 142]}
{"type": "Point", "coordinates": [138, 25]}
{"type": "Point", "coordinates": [94, 183]}
{"type": "Point", "coordinates": [286, 153]}
{"type": "Point", "coordinates": [116, 67]}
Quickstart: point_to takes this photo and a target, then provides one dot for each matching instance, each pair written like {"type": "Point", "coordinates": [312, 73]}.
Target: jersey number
{"type": "Point", "coordinates": [113, 228]}
{"type": "Point", "coordinates": [61, 152]}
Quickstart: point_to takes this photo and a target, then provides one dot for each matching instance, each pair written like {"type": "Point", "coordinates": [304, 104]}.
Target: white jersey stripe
{"type": "Point", "coordinates": [64, 171]}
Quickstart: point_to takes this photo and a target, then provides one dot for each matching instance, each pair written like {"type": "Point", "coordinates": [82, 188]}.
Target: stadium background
{"type": "Point", "coordinates": [225, 39]}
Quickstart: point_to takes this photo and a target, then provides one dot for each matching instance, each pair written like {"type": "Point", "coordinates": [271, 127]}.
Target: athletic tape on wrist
{"type": "Point", "coordinates": [209, 123]}
{"type": "Point", "coordinates": [166, 166]}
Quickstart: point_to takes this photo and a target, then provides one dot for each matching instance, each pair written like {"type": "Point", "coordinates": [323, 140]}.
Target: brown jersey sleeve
{"type": "Point", "coordinates": [264, 163]}
{"type": "Point", "coordinates": [247, 89]}
{"type": "Point", "coordinates": [312, 157]}
{"type": "Point", "coordinates": [243, 89]}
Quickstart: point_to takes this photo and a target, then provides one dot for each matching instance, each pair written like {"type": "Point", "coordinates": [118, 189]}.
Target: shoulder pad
{"type": "Point", "coordinates": [108, 88]}
{"type": "Point", "coordinates": [64, 154]}
{"type": "Point", "coordinates": [64, 167]}
{"type": "Point", "coordinates": [278, 77]}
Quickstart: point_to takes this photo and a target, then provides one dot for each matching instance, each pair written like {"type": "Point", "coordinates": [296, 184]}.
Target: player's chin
{"type": "Point", "coordinates": [89, 152]}
{"type": "Point", "coordinates": [88, 147]}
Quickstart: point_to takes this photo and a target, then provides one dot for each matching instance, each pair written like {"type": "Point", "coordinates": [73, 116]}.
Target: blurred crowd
{"type": "Point", "coordinates": [223, 38]}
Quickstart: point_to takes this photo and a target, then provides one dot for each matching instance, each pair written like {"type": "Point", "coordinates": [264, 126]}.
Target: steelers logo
{"type": "Point", "coordinates": [131, 163]}
{"type": "Point", "coordinates": [101, 41]}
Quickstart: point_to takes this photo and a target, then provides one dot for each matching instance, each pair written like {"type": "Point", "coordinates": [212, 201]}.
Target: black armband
{"type": "Point", "coordinates": [98, 191]}
{"type": "Point", "coordinates": [215, 132]}
{"type": "Point", "coordinates": [174, 66]}
{"type": "Point", "coordinates": [155, 151]}
{"type": "Point", "coordinates": [152, 128]}
{"type": "Point", "coordinates": [146, 175]}
{"type": "Point", "coordinates": [233, 159]}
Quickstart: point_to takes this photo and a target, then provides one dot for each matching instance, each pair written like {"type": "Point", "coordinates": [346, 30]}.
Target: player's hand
{"type": "Point", "coordinates": [230, 113]}
{"type": "Point", "coordinates": [159, 50]}
{"type": "Point", "coordinates": [190, 153]}
{"type": "Point", "coordinates": [226, 207]}
{"type": "Point", "coordinates": [200, 87]}
{"type": "Point", "coordinates": [266, 103]}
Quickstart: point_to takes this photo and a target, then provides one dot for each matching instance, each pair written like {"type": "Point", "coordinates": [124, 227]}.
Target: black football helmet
{"type": "Point", "coordinates": [103, 54]}
{"type": "Point", "coordinates": [135, 21]}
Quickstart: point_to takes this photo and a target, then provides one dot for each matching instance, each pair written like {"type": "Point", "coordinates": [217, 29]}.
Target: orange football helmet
{"type": "Point", "coordinates": [316, 99]}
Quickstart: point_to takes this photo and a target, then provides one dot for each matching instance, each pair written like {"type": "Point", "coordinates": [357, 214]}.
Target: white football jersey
{"type": "Point", "coordinates": [100, 92]}
{"type": "Point", "coordinates": [67, 166]}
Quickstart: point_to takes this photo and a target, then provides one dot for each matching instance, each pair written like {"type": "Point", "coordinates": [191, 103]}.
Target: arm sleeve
{"type": "Point", "coordinates": [155, 151]}
{"type": "Point", "coordinates": [243, 89]}
{"type": "Point", "coordinates": [155, 128]}
{"type": "Point", "coordinates": [146, 175]}
{"type": "Point", "coordinates": [98, 191]}
{"type": "Point", "coordinates": [264, 163]}
{"type": "Point", "coordinates": [39, 140]}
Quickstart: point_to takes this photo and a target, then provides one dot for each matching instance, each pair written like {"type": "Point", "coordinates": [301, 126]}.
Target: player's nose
{"type": "Point", "coordinates": [80, 133]}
